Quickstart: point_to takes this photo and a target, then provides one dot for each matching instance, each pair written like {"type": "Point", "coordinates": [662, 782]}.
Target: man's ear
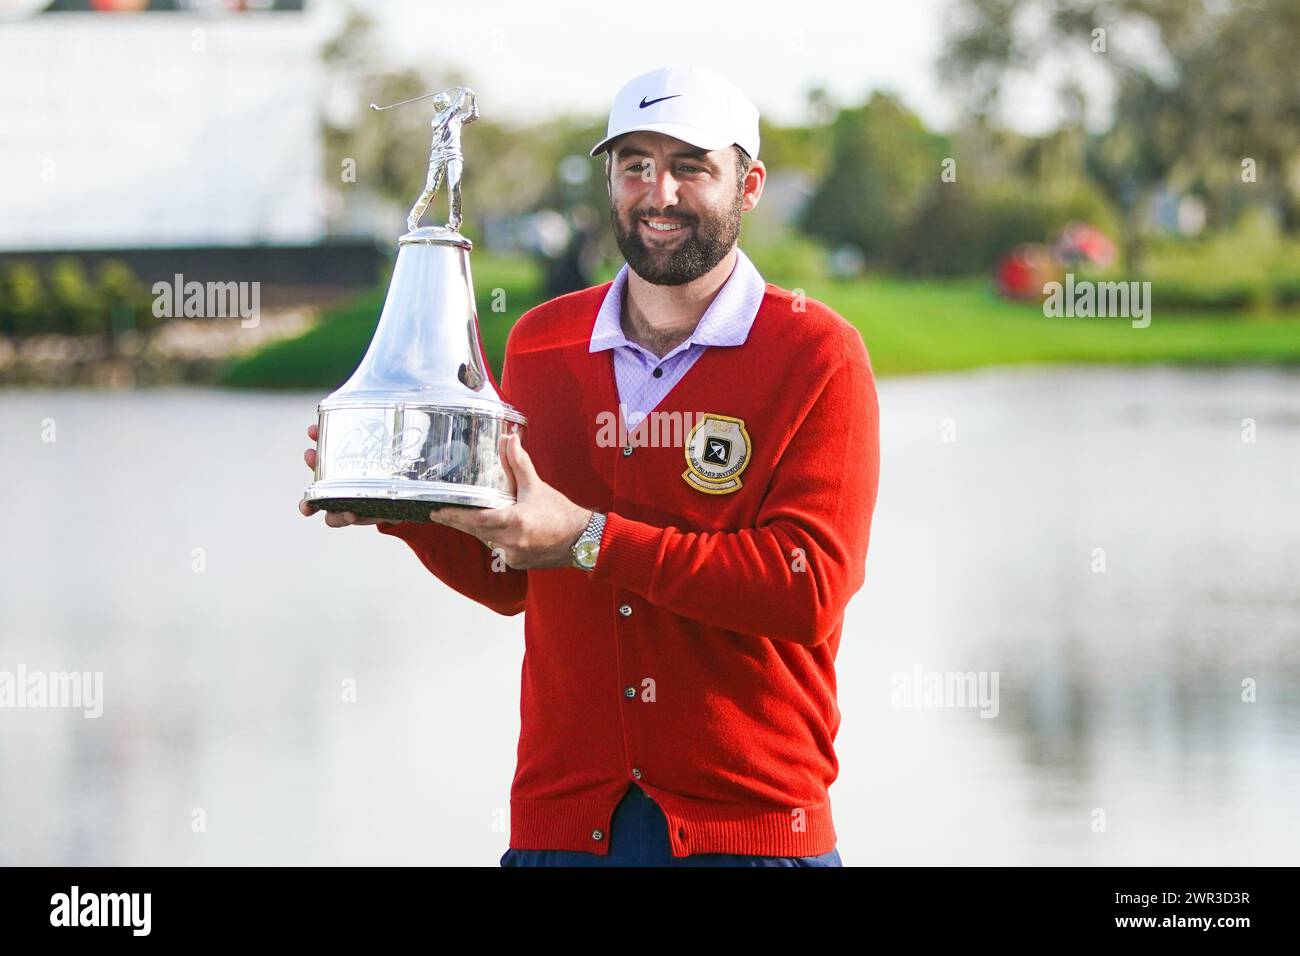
{"type": "Point", "coordinates": [752, 195]}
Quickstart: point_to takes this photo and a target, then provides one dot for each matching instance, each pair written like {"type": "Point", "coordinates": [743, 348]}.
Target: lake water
{"type": "Point", "coordinates": [156, 540]}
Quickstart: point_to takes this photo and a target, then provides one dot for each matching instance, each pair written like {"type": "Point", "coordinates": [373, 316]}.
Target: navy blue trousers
{"type": "Point", "coordinates": [639, 837]}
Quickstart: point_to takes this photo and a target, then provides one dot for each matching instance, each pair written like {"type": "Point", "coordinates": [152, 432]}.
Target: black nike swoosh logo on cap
{"type": "Point", "coordinates": [645, 102]}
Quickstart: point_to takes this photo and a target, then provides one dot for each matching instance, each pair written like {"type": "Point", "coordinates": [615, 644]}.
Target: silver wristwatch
{"type": "Point", "coordinates": [587, 548]}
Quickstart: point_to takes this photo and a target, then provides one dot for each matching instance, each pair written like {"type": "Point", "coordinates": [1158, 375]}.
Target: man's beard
{"type": "Point", "coordinates": [709, 239]}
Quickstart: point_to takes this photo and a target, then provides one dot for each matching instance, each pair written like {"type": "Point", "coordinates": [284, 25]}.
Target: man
{"type": "Point", "coordinates": [683, 576]}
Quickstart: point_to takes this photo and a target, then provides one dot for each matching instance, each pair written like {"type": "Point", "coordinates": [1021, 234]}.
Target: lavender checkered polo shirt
{"type": "Point", "coordinates": [643, 378]}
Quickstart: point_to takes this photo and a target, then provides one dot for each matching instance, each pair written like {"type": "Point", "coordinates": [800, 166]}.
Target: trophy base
{"type": "Point", "coordinates": [384, 508]}
{"type": "Point", "coordinates": [392, 502]}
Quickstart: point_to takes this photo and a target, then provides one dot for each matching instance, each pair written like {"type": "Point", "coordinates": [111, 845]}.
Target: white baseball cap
{"type": "Point", "coordinates": [690, 103]}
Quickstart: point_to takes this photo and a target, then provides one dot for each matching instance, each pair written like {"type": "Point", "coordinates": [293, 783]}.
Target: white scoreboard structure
{"type": "Point", "coordinates": [164, 127]}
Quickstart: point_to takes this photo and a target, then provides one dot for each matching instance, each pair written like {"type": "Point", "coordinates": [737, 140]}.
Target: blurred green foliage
{"type": "Point", "coordinates": [66, 300]}
{"type": "Point", "coordinates": [882, 161]}
{"type": "Point", "coordinates": [1251, 267]}
{"type": "Point", "coordinates": [1210, 88]}
{"type": "Point", "coordinates": [963, 228]}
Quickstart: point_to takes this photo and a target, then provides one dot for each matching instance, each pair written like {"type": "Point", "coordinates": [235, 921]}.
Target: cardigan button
{"type": "Point", "coordinates": [627, 450]}
{"type": "Point", "coordinates": [597, 835]}
{"type": "Point", "coordinates": [636, 773]}
{"type": "Point", "coordinates": [625, 610]}
{"type": "Point", "coordinates": [629, 692]}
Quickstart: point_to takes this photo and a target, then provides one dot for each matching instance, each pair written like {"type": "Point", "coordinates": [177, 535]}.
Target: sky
{"type": "Point", "coordinates": [532, 58]}
{"type": "Point", "coordinates": [539, 58]}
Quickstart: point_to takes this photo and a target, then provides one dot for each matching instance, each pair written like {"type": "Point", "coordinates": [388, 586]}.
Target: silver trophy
{"type": "Point", "coordinates": [417, 424]}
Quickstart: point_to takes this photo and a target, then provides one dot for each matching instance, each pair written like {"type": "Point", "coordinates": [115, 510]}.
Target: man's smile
{"type": "Point", "coordinates": [664, 227]}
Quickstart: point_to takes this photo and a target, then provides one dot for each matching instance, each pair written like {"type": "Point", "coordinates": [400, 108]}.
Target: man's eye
{"type": "Point", "coordinates": [691, 169]}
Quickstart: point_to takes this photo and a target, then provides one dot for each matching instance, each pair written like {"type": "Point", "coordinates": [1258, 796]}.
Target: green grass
{"type": "Point", "coordinates": [914, 326]}
{"type": "Point", "coordinates": [908, 325]}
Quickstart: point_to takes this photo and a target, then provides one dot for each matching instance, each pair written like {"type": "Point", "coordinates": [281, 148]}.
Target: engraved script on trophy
{"type": "Point", "coordinates": [453, 108]}
{"type": "Point", "coordinates": [372, 444]}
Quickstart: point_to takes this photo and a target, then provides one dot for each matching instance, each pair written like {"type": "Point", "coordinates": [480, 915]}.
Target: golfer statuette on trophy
{"type": "Point", "coordinates": [418, 423]}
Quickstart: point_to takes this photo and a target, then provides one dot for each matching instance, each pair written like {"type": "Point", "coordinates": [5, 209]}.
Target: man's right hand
{"type": "Point", "coordinates": [341, 519]}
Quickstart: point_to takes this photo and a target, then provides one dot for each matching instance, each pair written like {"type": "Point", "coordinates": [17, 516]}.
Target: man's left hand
{"type": "Point", "coordinates": [537, 531]}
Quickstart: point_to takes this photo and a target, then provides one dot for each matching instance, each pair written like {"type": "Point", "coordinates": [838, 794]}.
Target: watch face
{"type": "Point", "coordinates": [586, 552]}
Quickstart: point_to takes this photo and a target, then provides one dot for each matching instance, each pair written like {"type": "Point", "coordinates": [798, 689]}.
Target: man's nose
{"type": "Point", "coordinates": [663, 187]}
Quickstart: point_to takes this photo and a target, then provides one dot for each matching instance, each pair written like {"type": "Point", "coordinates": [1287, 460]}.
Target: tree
{"type": "Point", "coordinates": [1214, 85]}
{"type": "Point", "coordinates": [882, 160]}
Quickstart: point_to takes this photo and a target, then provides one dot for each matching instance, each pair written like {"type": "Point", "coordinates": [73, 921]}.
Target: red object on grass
{"type": "Point", "coordinates": [1024, 271]}
{"type": "Point", "coordinates": [1079, 241]}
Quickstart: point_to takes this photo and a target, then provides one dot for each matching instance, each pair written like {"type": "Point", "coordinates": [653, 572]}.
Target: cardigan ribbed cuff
{"type": "Point", "coordinates": [629, 551]}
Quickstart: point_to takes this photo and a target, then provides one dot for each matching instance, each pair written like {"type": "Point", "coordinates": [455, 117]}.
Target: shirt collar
{"type": "Point", "coordinates": [726, 321]}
